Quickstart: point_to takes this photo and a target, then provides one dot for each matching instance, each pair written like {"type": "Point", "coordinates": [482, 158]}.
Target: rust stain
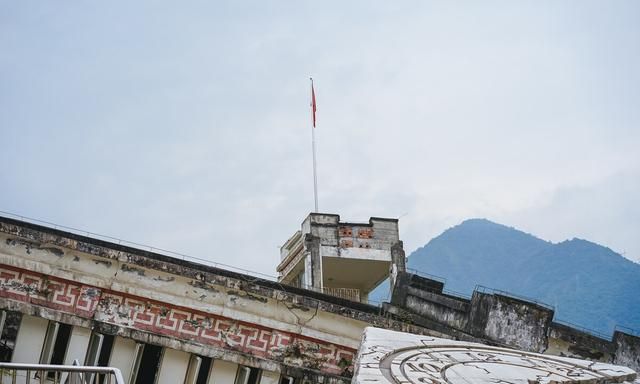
{"type": "Point", "coordinates": [345, 231]}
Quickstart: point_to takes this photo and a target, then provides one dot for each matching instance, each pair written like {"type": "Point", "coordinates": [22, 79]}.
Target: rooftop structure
{"type": "Point", "coordinates": [342, 259]}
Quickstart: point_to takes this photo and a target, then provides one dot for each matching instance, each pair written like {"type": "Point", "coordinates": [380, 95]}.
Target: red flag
{"type": "Point", "coordinates": [313, 104]}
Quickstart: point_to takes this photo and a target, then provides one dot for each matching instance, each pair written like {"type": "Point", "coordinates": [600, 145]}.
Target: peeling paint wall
{"type": "Point", "coordinates": [30, 338]}
{"type": "Point", "coordinates": [176, 304]}
{"type": "Point", "coordinates": [149, 298]}
{"type": "Point", "coordinates": [123, 355]}
{"type": "Point", "coordinates": [516, 323]}
{"type": "Point", "coordinates": [325, 236]}
{"type": "Point", "coordinates": [627, 350]}
{"type": "Point", "coordinates": [174, 367]}
{"type": "Point", "coordinates": [443, 309]}
{"type": "Point", "coordinates": [571, 342]}
{"type": "Point", "coordinates": [159, 317]}
{"type": "Point", "coordinates": [503, 320]}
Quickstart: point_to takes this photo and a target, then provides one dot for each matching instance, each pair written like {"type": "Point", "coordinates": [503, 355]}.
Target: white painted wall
{"type": "Point", "coordinates": [173, 367]}
{"type": "Point", "coordinates": [77, 347]}
{"type": "Point", "coordinates": [78, 344]}
{"type": "Point", "coordinates": [28, 344]}
{"type": "Point", "coordinates": [153, 285]}
{"type": "Point", "coordinates": [122, 356]}
{"type": "Point", "coordinates": [30, 338]}
{"type": "Point", "coordinates": [222, 372]}
{"type": "Point", "coordinates": [269, 377]}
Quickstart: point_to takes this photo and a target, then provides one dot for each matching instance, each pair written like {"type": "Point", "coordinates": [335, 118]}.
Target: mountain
{"type": "Point", "coordinates": [588, 284]}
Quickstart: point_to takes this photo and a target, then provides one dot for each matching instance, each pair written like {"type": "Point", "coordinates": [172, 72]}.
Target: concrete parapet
{"type": "Point", "coordinates": [569, 340]}
{"type": "Point", "coordinates": [497, 317]}
{"type": "Point", "coordinates": [627, 349]}
{"type": "Point", "coordinates": [509, 321]}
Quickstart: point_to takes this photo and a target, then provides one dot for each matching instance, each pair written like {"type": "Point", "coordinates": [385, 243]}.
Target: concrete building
{"type": "Point", "coordinates": [162, 319]}
{"type": "Point", "coordinates": [346, 260]}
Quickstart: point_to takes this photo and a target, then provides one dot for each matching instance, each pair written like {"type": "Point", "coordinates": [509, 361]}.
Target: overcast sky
{"type": "Point", "coordinates": [186, 125]}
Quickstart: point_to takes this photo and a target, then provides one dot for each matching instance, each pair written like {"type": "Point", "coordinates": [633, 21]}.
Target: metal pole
{"type": "Point", "coordinates": [315, 175]}
{"type": "Point", "coordinates": [313, 145]}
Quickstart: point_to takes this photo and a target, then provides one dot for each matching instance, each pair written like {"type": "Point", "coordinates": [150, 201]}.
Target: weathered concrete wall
{"type": "Point", "coordinates": [404, 281]}
{"type": "Point", "coordinates": [571, 342]}
{"type": "Point", "coordinates": [223, 372]}
{"type": "Point", "coordinates": [177, 304]}
{"type": "Point", "coordinates": [627, 350]}
{"type": "Point", "coordinates": [269, 377]}
{"type": "Point", "coordinates": [173, 367]}
{"type": "Point", "coordinates": [424, 297]}
{"type": "Point", "coordinates": [193, 308]}
{"type": "Point", "coordinates": [123, 356]}
{"type": "Point", "coordinates": [78, 344]}
{"type": "Point", "coordinates": [372, 251]}
{"type": "Point", "coordinates": [500, 319]}
{"type": "Point", "coordinates": [312, 249]}
{"type": "Point", "coordinates": [513, 322]}
{"type": "Point", "coordinates": [398, 257]}
{"type": "Point", "coordinates": [30, 337]}
{"type": "Point", "coordinates": [338, 238]}
{"type": "Point", "coordinates": [161, 318]}
{"type": "Point", "coordinates": [448, 310]}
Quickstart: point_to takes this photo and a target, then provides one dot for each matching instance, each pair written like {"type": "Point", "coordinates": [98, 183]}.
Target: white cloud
{"type": "Point", "coordinates": [187, 126]}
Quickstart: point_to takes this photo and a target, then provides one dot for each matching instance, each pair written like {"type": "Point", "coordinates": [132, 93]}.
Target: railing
{"type": "Point", "coordinates": [427, 275]}
{"type": "Point", "coordinates": [580, 328]}
{"type": "Point", "coordinates": [483, 289]}
{"type": "Point", "coordinates": [459, 295]}
{"type": "Point", "coordinates": [138, 246]}
{"type": "Point", "coordinates": [58, 374]}
{"type": "Point", "coordinates": [627, 330]}
{"type": "Point", "coordinates": [352, 294]}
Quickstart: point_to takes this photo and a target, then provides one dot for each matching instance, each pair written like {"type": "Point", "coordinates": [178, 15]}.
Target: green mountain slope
{"type": "Point", "coordinates": [588, 284]}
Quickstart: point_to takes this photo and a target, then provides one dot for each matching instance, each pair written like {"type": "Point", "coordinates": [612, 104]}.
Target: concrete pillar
{"type": "Point", "coordinates": [627, 350]}
{"type": "Point", "coordinates": [223, 372]}
{"type": "Point", "coordinates": [399, 286]}
{"type": "Point", "coordinates": [78, 344]}
{"type": "Point", "coordinates": [123, 356]}
{"type": "Point", "coordinates": [269, 377]}
{"type": "Point", "coordinates": [28, 345]}
{"type": "Point", "coordinates": [308, 275]}
{"type": "Point", "coordinates": [312, 245]}
{"type": "Point", "coordinates": [398, 266]}
{"type": "Point", "coordinates": [29, 341]}
{"type": "Point", "coordinates": [398, 257]}
{"type": "Point", "coordinates": [173, 367]}
{"type": "Point", "coordinates": [77, 347]}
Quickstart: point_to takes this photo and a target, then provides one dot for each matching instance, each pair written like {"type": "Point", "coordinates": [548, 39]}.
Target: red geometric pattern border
{"type": "Point", "coordinates": [171, 320]}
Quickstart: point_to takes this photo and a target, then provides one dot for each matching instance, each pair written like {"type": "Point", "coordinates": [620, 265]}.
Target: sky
{"type": "Point", "coordinates": [186, 125]}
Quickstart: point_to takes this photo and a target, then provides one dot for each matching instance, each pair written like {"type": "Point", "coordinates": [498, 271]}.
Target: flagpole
{"type": "Point", "coordinates": [313, 145]}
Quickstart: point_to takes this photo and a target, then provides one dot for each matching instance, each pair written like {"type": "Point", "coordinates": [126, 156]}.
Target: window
{"type": "Point", "coordinates": [9, 325]}
{"type": "Point", "coordinates": [98, 354]}
{"type": "Point", "coordinates": [198, 371]}
{"type": "Point", "coordinates": [247, 375]}
{"type": "Point", "coordinates": [287, 380]}
{"type": "Point", "coordinates": [55, 345]}
{"type": "Point", "coordinates": [147, 364]}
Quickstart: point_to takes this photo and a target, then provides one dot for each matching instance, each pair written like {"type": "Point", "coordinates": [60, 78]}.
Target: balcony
{"type": "Point", "coordinates": [352, 294]}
